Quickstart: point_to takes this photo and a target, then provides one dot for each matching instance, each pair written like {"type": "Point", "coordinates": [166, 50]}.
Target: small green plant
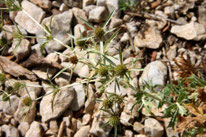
{"type": "Point", "coordinates": [126, 5]}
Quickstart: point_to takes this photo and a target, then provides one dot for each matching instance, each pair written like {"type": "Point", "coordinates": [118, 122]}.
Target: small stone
{"type": "Point", "coordinates": [52, 57]}
{"type": "Point", "coordinates": [115, 22]}
{"type": "Point", "coordinates": [61, 102]}
{"type": "Point", "coordinates": [67, 118]}
{"type": "Point", "coordinates": [87, 9]}
{"type": "Point", "coordinates": [101, 2]}
{"type": "Point", "coordinates": [90, 102]}
{"type": "Point", "coordinates": [63, 7]}
{"type": "Point", "coordinates": [126, 119]}
{"type": "Point", "coordinates": [37, 49]}
{"type": "Point", "coordinates": [172, 52]}
{"type": "Point", "coordinates": [26, 113]}
{"type": "Point", "coordinates": [83, 131]}
{"type": "Point", "coordinates": [72, 3]}
{"type": "Point", "coordinates": [53, 126]}
{"type": "Point", "coordinates": [44, 72]}
{"type": "Point", "coordinates": [98, 14]}
{"type": "Point", "coordinates": [79, 99]}
{"type": "Point", "coordinates": [9, 107]}
{"type": "Point", "coordinates": [69, 132]}
{"type": "Point", "coordinates": [155, 72]}
{"type": "Point", "coordinates": [63, 79]}
{"type": "Point", "coordinates": [10, 131]}
{"type": "Point", "coordinates": [80, 31]}
{"type": "Point", "coordinates": [112, 5]}
{"type": "Point", "coordinates": [151, 39]}
{"type": "Point", "coordinates": [153, 128]}
{"type": "Point", "coordinates": [85, 119]}
{"type": "Point", "coordinates": [56, 4]}
{"type": "Point", "coordinates": [87, 3]}
{"type": "Point", "coordinates": [12, 15]}
{"type": "Point", "coordinates": [22, 50]}
{"type": "Point", "coordinates": [202, 15]}
{"type": "Point", "coordinates": [125, 38]}
{"type": "Point", "coordinates": [14, 122]}
{"type": "Point", "coordinates": [23, 128]}
{"type": "Point", "coordinates": [46, 4]}
{"type": "Point", "coordinates": [190, 31]}
{"type": "Point", "coordinates": [79, 13]}
{"type": "Point", "coordinates": [140, 135]}
{"type": "Point", "coordinates": [35, 130]}
{"type": "Point", "coordinates": [170, 132]}
{"type": "Point", "coordinates": [169, 10]}
{"type": "Point", "coordinates": [138, 127]}
{"type": "Point", "coordinates": [132, 28]}
{"type": "Point", "coordinates": [60, 29]}
{"type": "Point", "coordinates": [128, 133]}
{"type": "Point", "coordinates": [25, 22]}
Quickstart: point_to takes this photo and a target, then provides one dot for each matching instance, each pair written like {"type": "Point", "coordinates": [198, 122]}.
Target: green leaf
{"type": "Point", "coordinates": [86, 22]}
{"type": "Point", "coordinates": [60, 72]}
{"type": "Point", "coordinates": [109, 18]}
{"type": "Point", "coordinates": [181, 109]}
{"type": "Point", "coordinates": [181, 97]}
{"type": "Point", "coordinates": [43, 47]}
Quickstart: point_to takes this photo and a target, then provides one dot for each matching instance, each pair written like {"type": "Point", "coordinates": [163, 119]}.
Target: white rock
{"type": "Point", "coordinates": [172, 52]}
{"type": "Point", "coordinates": [67, 118]}
{"type": "Point", "coordinates": [79, 13]}
{"type": "Point", "coordinates": [63, 79]}
{"type": "Point", "coordinates": [85, 119]}
{"type": "Point", "coordinates": [26, 113]}
{"type": "Point", "coordinates": [63, 7]}
{"type": "Point", "coordinates": [101, 2]}
{"type": "Point", "coordinates": [52, 57]}
{"type": "Point", "coordinates": [90, 102]}
{"type": "Point", "coordinates": [87, 3]}
{"type": "Point", "coordinates": [115, 22]}
{"type": "Point", "coordinates": [62, 101]}
{"type": "Point", "coordinates": [83, 131]}
{"type": "Point", "coordinates": [79, 99]}
{"type": "Point", "coordinates": [112, 5]}
{"type": "Point", "coordinates": [87, 9]}
{"type": "Point", "coordinates": [202, 15]}
{"type": "Point", "coordinates": [152, 38]}
{"type": "Point", "coordinates": [12, 15]}
{"type": "Point", "coordinates": [10, 131]}
{"type": "Point", "coordinates": [71, 3]}
{"type": "Point", "coordinates": [60, 29]}
{"type": "Point", "coordinates": [128, 133]}
{"type": "Point", "coordinates": [140, 135]}
{"type": "Point", "coordinates": [41, 72]}
{"type": "Point", "coordinates": [153, 128]}
{"type": "Point", "coordinates": [46, 4]}
{"type": "Point", "coordinates": [98, 14]}
{"type": "Point", "coordinates": [53, 126]}
{"type": "Point", "coordinates": [132, 28]}
{"type": "Point", "coordinates": [169, 10]}
{"type": "Point", "coordinates": [126, 119]}
{"type": "Point", "coordinates": [69, 132]}
{"type": "Point", "coordinates": [10, 106]}
{"type": "Point", "coordinates": [23, 128]}
{"type": "Point", "coordinates": [138, 127]}
{"type": "Point", "coordinates": [125, 38]}
{"type": "Point", "coordinates": [22, 50]}
{"type": "Point", "coordinates": [79, 31]}
{"type": "Point", "coordinates": [23, 91]}
{"type": "Point", "coordinates": [25, 22]}
{"type": "Point", "coordinates": [190, 31]}
{"type": "Point", "coordinates": [155, 72]}
{"type": "Point", "coordinates": [35, 130]}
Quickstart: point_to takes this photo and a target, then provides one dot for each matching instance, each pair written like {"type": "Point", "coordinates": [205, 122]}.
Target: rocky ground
{"type": "Point", "coordinates": [165, 37]}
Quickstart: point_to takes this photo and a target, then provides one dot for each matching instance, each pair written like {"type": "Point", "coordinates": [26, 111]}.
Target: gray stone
{"type": "Point", "coordinates": [25, 22]}
{"type": "Point", "coordinates": [172, 52]}
{"type": "Point", "coordinates": [128, 133]}
{"type": "Point", "coordinates": [138, 127]}
{"type": "Point", "coordinates": [190, 31]}
{"type": "Point", "coordinates": [9, 107]}
{"type": "Point", "coordinates": [23, 128]}
{"type": "Point", "coordinates": [79, 13]}
{"type": "Point", "coordinates": [101, 2]}
{"type": "Point", "coordinates": [10, 131]}
{"type": "Point", "coordinates": [87, 3]}
{"type": "Point", "coordinates": [46, 4]}
{"type": "Point", "coordinates": [79, 99]}
{"type": "Point", "coordinates": [151, 39]}
{"type": "Point", "coordinates": [79, 31]}
{"type": "Point", "coordinates": [112, 5]}
{"type": "Point", "coordinates": [153, 128]}
{"type": "Point", "coordinates": [83, 131]}
{"type": "Point", "coordinates": [115, 22]}
{"type": "Point", "coordinates": [202, 15]}
{"type": "Point", "coordinates": [155, 72]}
{"type": "Point", "coordinates": [22, 50]}
{"type": "Point", "coordinates": [41, 72]}
{"type": "Point", "coordinates": [125, 38]}
{"type": "Point", "coordinates": [90, 102]}
{"type": "Point", "coordinates": [60, 29]}
{"type": "Point", "coordinates": [61, 103]}
{"type": "Point", "coordinates": [26, 113]}
{"type": "Point", "coordinates": [52, 57]}
{"type": "Point", "coordinates": [98, 14]}
{"type": "Point", "coordinates": [85, 119]}
{"type": "Point", "coordinates": [63, 79]}
{"type": "Point", "coordinates": [87, 9]}
{"type": "Point", "coordinates": [35, 130]}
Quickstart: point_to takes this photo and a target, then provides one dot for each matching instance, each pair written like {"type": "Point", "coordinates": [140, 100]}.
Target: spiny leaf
{"type": "Point", "coordinates": [86, 22]}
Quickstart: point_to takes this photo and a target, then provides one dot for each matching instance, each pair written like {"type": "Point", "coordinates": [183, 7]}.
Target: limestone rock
{"type": "Point", "coordinates": [153, 128]}
{"type": "Point", "coordinates": [155, 72]}
{"type": "Point", "coordinates": [97, 14]}
{"type": "Point", "coordinates": [79, 13]}
{"type": "Point", "coordinates": [10, 106]}
{"type": "Point", "coordinates": [60, 29]}
{"type": "Point", "coordinates": [23, 128]}
{"type": "Point", "coordinates": [202, 15]}
{"type": "Point", "coordinates": [190, 31]}
{"type": "Point", "coordinates": [151, 39]}
{"type": "Point", "coordinates": [35, 130]}
{"type": "Point", "coordinates": [79, 31]}
{"type": "Point", "coordinates": [41, 72]}
{"type": "Point", "coordinates": [62, 101]}
{"type": "Point", "coordinates": [79, 99]}
{"type": "Point", "coordinates": [83, 131]}
{"type": "Point", "coordinates": [10, 131]}
{"type": "Point", "coordinates": [25, 22]}
{"type": "Point", "coordinates": [46, 4]}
